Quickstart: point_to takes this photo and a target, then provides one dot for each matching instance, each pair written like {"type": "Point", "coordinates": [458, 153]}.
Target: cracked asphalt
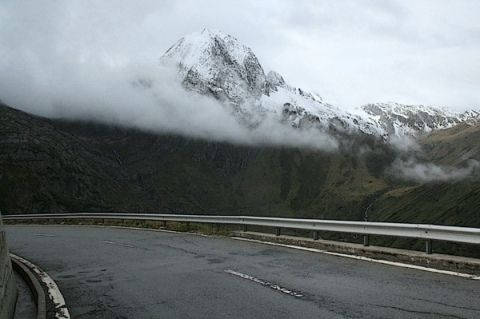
{"type": "Point", "coordinates": [121, 273]}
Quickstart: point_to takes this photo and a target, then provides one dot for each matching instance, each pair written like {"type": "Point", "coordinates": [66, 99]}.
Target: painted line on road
{"type": "Point", "coordinates": [265, 283]}
{"type": "Point", "coordinates": [61, 310]}
{"type": "Point", "coordinates": [118, 244]}
{"type": "Point", "coordinates": [379, 261]}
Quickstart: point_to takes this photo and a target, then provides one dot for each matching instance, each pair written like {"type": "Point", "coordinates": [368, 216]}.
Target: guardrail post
{"type": "Point", "coordinates": [245, 227]}
{"type": "Point", "coordinates": [316, 235]}
{"type": "Point", "coordinates": [366, 240]}
{"type": "Point", "coordinates": [164, 223]}
{"type": "Point", "coordinates": [278, 231]}
{"type": "Point", "coordinates": [428, 246]}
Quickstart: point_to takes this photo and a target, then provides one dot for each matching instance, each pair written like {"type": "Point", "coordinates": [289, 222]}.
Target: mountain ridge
{"type": "Point", "coordinates": [216, 64]}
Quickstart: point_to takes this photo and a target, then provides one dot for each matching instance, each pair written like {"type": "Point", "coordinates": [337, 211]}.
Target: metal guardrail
{"type": "Point", "coordinates": [419, 231]}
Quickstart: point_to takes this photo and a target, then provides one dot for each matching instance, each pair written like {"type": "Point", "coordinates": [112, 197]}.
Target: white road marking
{"type": "Point", "coordinates": [118, 244]}
{"type": "Point", "coordinates": [379, 261]}
{"type": "Point", "coordinates": [265, 283]}
{"type": "Point", "coordinates": [61, 311]}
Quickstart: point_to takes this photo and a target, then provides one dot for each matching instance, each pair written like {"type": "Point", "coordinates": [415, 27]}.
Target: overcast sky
{"type": "Point", "coordinates": [350, 52]}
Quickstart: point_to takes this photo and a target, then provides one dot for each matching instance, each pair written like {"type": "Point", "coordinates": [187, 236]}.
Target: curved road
{"type": "Point", "coordinates": [122, 273]}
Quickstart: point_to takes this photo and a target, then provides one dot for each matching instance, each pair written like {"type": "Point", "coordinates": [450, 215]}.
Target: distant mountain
{"type": "Point", "coordinates": [216, 64]}
{"type": "Point", "coordinates": [401, 119]}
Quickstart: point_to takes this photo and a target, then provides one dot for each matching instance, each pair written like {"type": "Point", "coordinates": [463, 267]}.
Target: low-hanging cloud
{"type": "Point", "coordinates": [412, 169]}
{"type": "Point", "coordinates": [148, 97]}
{"type": "Point", "coordinates": [403, 143]}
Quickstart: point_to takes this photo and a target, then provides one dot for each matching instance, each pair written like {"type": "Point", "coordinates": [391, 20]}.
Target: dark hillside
{"type": "Point", "coordinates": [53, 165]}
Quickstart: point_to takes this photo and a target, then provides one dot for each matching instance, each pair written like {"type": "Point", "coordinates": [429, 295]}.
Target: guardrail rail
{"type": "Point", "coordinates": [418, 231]}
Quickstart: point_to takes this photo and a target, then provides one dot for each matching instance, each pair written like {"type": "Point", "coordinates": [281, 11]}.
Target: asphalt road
{"type": "Point", "coordinates": [119, 273]}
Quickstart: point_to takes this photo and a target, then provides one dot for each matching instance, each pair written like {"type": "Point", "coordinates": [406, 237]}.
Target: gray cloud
{"type": "Point", "coordinates": [351, 52]}
{"type": "Point", "coordinates": [408, 166]}
{"type": "Point", "coordinates": [149, 97]}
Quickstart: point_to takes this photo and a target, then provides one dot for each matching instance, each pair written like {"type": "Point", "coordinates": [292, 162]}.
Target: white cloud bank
{"type": "Point", "coordinates": [96, 91]}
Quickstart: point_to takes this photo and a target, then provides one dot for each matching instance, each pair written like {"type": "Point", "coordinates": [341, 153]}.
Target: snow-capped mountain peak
{"type": "Point", "coordinates": [213, 63]}
{"type": "Point", "coordinates": [216, 63]}
{"type": "Point", "coordinates": [196, 49]}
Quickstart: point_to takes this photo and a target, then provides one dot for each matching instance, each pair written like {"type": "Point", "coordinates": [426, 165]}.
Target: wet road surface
{"type": "Point", "coordinates": [121, 273]}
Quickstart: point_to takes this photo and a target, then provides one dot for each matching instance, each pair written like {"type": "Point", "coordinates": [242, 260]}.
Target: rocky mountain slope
{"type": "Point", "coordinates": [216, 64]}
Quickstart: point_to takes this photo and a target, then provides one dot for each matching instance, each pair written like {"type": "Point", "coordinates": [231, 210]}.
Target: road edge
{"type": "Point", "coordinates": [34, 284]}
{"type": "Point", "coordinates": [37, 280]}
